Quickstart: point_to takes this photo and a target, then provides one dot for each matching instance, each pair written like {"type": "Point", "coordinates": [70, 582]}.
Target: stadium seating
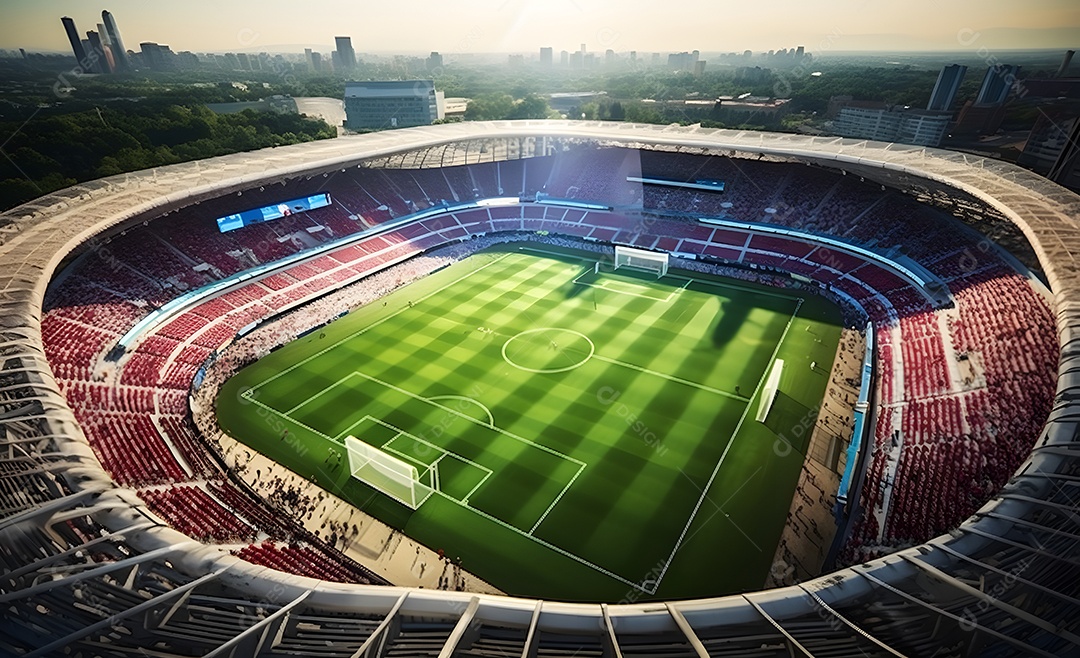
{"type": "Point", "coordinates": [965, 437]}
{"type": "Point", "coordinates": [304, 561]}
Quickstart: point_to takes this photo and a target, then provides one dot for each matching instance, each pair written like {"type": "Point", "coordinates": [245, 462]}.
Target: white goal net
{"type": "Point", "coordinates": [641, 259]}
{"type": "Point", "coordinates": [390, 475]}
{"type": "Point", "coordinates": [768, 393]}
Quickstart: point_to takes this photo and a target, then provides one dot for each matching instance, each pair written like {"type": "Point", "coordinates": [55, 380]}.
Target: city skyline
{"type": "Point", "coordinates": [488, 26]}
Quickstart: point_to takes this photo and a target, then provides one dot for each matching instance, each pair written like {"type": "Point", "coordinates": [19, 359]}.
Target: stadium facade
{"type": "Point", "coordinates": [1002, 583]}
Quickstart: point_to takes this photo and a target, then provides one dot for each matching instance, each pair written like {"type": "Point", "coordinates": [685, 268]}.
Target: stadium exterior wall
{"type": "Point", "coordinates": [35, 238]}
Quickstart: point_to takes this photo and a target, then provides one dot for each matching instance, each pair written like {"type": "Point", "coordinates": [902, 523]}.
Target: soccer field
{"type": "Point", "coordinates": [590, 436]}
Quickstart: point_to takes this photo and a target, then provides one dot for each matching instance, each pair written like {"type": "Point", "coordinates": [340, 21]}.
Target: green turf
{"type": "Point", "coordinates": [589, 441]}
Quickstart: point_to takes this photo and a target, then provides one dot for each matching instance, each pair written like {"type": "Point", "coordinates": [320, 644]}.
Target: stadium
{"type": "Point", "coordinates": [544, 388]}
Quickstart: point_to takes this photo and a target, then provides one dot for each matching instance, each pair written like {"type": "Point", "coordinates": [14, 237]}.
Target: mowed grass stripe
{"type": "Point", "coordinates": [647, 448]}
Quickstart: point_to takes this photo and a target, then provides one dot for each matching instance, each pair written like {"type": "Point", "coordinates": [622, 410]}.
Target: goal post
{"type": "Point", "coordinates": [641, 259]}
{"type": "Point", "coordinates": [768, 393]}
{"type": "Point", "coordinates": [386, 473]}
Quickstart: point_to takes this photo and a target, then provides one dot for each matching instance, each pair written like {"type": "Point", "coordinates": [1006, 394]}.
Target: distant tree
{"type": "Point", "coordinates": [530, 107]}
{"type": "Point", "coordinates": [643, 114]}
{"type": "Point", "coordinates": [616, 112]}
{"type": "Point", "coordinates": [58, 150]}
{"type": "Point", "coordinates": [489, 107]}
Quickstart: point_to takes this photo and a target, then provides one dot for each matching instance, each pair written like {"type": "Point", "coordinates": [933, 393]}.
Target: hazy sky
{"type": "Point", "coordinates": [461, 26]}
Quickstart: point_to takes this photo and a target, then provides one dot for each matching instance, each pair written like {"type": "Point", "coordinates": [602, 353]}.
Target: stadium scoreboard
{"type": "Point", "coordinates": [272, 212]}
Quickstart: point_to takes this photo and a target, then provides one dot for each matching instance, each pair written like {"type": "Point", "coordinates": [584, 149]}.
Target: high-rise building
{"type": "Point", "coordinates": [158, 57]}
{"type": "Point", "coordinates": [564, 59]}
{"type": "Point", "coordinates": [547, 56]}
{"type": "Point", "coordinates": [997, 83]}
{"type": "Point", "coordinates": [378, 105]}
{"type": "Point", "coordinates": [120, 56]}
{"type": "Point", "coordinates": [309, 60]}
{"type": "Point", "coordinates": [434, 61]}
{"type": "Point", "coordinates": [96, 53]}
{"type": "Point", "coordinates": [108, 46]}
{"type": "Point", "coordinates": [1051, 148]}
{"type": "Point", "coordinates": [609, 58]}
{"type": "Point", "coordinates": [76, 43]}
{"type": "Point", "coordinates": [346, 54]}
{"type": "Point", "coordinates": [948, 83]}
{"type": "Point", "coordinates": [877, 121]}
{"type": "Point", "coordinates": [1065, 63]}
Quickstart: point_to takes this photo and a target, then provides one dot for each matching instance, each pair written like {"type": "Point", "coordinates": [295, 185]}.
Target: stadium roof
{"type": "Point", "coordinates": [1020, 565]}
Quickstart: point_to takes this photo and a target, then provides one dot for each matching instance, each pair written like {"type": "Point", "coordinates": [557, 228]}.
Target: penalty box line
{"type": "Point", "coordinates": [489, 517]}
{"type": "Point", "coordinates": [723, 456]}
{"type": "Point", "coordinates": [580, 464]}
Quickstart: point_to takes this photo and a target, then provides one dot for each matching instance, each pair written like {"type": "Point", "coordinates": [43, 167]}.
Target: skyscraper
{"type": "Point", "coordinates": [98, 61]}
{"type": "Point", "coordinates": [547, 56]}
{"type": "Point", "coordinates": [120, 56]}
{"type": "Point", "coordinates": [948, 83]}
{"type": "Point", "coordinates": [346, 54]}
{"type": "Point", "coordinates": [76, 42]}
{"type": "Point", "coordinates": [997, 83]}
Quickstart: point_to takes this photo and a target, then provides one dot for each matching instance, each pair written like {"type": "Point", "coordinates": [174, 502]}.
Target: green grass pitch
{"type": "Point", "coordinates": [593, 434]}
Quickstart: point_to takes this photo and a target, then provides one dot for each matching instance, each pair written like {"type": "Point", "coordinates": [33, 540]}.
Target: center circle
{"type": "Point", "coordinates": [548, 350]}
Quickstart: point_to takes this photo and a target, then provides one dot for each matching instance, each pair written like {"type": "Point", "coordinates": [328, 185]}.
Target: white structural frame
{"type": "Point", "coordinates": [37, 237]}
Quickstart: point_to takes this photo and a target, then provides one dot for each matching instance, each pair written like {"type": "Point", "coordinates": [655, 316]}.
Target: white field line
{"type": "Point", "coordinates": [723, 456]}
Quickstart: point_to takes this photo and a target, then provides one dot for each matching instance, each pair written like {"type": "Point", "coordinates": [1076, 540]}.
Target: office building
{"type": "Point", "coordinates": [120, 56]}
{"type": "Point", "coordinates": [946, 87]}
{"type": "Point", "coordinates": [1051, 148]}
{"type": "Point", "coordinates": [377, 105]}
{"type": "Point", "coordinates": [997, 83]}
{"type": "Point", "coordinates": [96, 53]}
{"type": "Point", "coordinates": [879, 122]}
{"type": "Point", "coordinates": [1064, 68]}
{"type": "Point", "coordinates": [76, 43]}
{"type": "Point", "coordinates": [159, 57]}
{"type": "Point", "coordinates": [345, 54]}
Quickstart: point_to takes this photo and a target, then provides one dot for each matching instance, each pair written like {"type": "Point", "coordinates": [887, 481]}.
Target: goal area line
{"type": "Point", "coordinates": [527, 534]}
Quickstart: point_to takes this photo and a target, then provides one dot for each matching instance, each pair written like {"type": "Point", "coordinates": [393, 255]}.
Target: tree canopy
{"type": "Point", "coordinates": [46, 153]}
